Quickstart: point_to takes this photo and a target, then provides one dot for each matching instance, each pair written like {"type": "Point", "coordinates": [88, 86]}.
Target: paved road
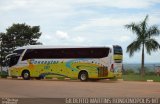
{"type": "Point", "coordinates": [63, 89]}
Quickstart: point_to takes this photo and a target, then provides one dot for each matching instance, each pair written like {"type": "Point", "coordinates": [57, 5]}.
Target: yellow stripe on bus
{"type": "Point", "coordinates": [118, 57]}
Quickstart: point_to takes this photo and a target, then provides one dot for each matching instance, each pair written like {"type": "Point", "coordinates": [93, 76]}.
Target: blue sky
{"type": "Point", "coordinates": [83, 22]}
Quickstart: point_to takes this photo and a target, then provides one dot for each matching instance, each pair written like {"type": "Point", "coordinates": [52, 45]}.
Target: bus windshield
{"type": "Point", "coordinates": [117, 50]}
{"type": "Point", "coordinates": [118, 54]}
{"type": "Point", "coordinates": [12, 59]}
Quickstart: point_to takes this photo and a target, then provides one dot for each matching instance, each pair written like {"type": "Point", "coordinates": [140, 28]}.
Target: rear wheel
{"type": "Point", "coordinates": [83, 76]}
{"type": "Point", "coordinates": [26, 75]}
{"type": "Point", "coordinates": [40, 77]}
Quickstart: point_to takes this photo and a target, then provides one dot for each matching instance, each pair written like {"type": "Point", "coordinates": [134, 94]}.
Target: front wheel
{"type": "Point", "coordinates": [83, 76]}
{"type": "Point", "coordinates": [26, 75]}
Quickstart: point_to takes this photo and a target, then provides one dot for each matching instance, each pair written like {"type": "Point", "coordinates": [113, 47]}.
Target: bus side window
{"type": "Point", "coordinates": [28, 54]}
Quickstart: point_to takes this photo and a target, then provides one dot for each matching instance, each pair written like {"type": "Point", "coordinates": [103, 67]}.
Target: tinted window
{"type": "Point", "coordinates": [13, 60]}
{"type": "Point", "coordinates": [117, 50]}
{"type": "Point", "coordinates": [66, 53]}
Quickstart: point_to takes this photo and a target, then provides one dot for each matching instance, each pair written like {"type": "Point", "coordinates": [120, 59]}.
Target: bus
{"type": "Point", "coordinates": [80, 62]}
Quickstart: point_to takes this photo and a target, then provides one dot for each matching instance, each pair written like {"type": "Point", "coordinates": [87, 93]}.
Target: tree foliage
{"type": "Point", "coordinates": [145, 39]}
{"type": "Point", "coordinates": [18, 35]}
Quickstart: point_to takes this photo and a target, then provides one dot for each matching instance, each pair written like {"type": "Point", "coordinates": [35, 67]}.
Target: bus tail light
{"type": "Point", "coordinates": [112, 68]}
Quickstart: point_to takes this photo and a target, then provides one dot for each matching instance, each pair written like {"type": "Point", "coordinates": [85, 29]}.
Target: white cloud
{"type": "Point", "coordinates": [14, 4]}
{"type": "Point", "coordinates": [106, 22]}
{"type": "Point", "coordinates": [62, 38]}
{"type": "Point", "coordinates": [79, 39]}
{"type": "Point", "coordinates": [65, 36]}
{"type": "Point", "coordinates": [119, 3]}
{"type": "Point", "coordinates": [62, 35]}
{"type": "Point", "coordinates": [124, 38]}
{"type": "Point", "coordinates": [63, 6]}
{"type": "Point", "coordinates": [131, 4]}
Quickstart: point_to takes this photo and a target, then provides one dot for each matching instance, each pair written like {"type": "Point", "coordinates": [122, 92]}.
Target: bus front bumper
{"type": "Point", "coordinates": [118, 75]}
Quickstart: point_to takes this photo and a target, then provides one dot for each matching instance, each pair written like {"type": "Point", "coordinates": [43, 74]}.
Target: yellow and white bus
{"type": "Point", "coordinates": [81, 62]}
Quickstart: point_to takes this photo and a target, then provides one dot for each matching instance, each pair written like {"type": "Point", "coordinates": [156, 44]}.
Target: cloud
{"type": "Point", "coordinates": [110, 29]}
{"type": "Point", "coordinates": [119, 3]}
{"type": "Point", "coordinates": [131, 4]}
{"type": "Point", "coordinates": [65, 36]}
{"type": "Point", "coordinates": [63, 6]}
{"type": "Point", "coordinates": [62, 38]}
{"type": "Point", "coordinates": [124, 38]}
{"type": "Point", "coordinates": [62, 35]}
{"type": "Point", "coordinates": [79, 39]}
{"type": "Point", "coordinates": [105, 22]}
{"type": "Point", "coordinates": [13, 5]}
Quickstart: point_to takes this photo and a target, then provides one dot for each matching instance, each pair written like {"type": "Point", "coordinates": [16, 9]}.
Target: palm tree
{"type": "Point", "coordinates": [144, 40]}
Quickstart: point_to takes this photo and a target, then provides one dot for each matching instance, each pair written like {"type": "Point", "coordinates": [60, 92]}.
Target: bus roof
{"type": "Point", "coordinates": [46, 47]}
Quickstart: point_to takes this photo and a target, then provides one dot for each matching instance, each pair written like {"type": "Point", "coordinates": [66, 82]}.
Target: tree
{"type": "Point", "coordinates": [18, 35]}
{"type": "Point", "coordinates": [1, 34]}
{"type": "Point", "coordinates": [22, 34]}
{"type": "Point", "coordinates": [144, 40]}
{"type": "Point", "coordinates": [3, 52]}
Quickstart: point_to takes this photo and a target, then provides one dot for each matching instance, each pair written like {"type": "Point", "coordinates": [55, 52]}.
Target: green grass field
{"type": "Point", "coordinates": [139, 78]}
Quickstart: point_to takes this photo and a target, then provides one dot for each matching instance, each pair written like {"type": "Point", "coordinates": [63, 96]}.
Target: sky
{"type": "Point", "coordinates": [84, 22]}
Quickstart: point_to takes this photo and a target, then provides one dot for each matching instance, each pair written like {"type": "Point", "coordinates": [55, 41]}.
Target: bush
{"type": "Point", "coordinates": [129, 72]}
{"type": "Point", "coordinates": [150, 73]}
{"type": "Point", "coordinates": [3, 74]}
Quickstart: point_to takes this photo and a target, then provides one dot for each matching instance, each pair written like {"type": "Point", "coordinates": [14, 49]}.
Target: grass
{"type": "Point", "coordinates": [133, 77]}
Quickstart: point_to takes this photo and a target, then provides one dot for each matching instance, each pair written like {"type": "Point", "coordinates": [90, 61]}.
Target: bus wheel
{"type": "Point", "coordinates": [26, 75]}
{"type": "Point", "coordinates": [83, 76]}
{"type": "Point", "coordinates": [40, 77]}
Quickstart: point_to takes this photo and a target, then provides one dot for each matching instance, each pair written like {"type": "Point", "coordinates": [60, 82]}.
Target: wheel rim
{"type": "Point", "coordinates": [83, 77]}
{"type": "Point", "coordinates": [26, 75]}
